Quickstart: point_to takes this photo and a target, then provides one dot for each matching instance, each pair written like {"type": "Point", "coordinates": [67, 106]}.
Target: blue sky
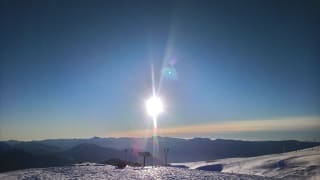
{"type": "Point", "coordinates": [82, 68]}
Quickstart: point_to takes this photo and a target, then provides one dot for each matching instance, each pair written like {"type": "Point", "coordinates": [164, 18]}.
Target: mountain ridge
{"type": "Point", "coordinates": [68, 151]}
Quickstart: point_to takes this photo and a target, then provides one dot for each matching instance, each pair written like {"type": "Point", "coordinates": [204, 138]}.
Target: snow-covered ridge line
{"type": "Point", "coordinates": [302, 164]}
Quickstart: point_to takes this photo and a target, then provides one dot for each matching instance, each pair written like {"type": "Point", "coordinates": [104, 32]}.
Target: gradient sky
{"type": "Point", "coordinates": [82, 68]}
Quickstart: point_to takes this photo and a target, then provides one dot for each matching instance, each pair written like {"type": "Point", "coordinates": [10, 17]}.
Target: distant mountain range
{"type": "Point", "coordinates": [56, 152]}
{"type": "Point", "coordinates": [91, 153]}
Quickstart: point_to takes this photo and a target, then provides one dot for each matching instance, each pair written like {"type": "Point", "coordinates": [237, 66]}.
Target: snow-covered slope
{"type": "Point", "coordinates": [93, 171]}
{"type": "Point", "coordinates": [303, 164]}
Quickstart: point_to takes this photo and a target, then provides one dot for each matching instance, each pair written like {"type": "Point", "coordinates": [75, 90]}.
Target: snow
{"type": "Point", "coordinates": [303, 164]}
{"type": "Point", "coordinates": [91, 171]}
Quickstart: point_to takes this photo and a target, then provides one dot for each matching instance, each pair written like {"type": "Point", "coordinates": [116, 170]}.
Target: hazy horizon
{"type": "Point", "coordinates": [243, 130]}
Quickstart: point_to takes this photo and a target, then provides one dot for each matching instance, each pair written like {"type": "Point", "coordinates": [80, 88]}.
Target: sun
{"type": "Point", "coordinates": [154, 106]}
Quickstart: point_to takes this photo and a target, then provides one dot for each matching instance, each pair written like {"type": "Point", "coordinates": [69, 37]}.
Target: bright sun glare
{"type": "Point", "coordinates": [154, 106]}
